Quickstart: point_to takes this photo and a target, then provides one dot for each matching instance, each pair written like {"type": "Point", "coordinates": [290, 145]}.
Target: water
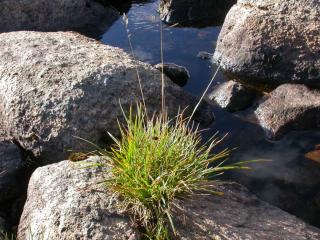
{"type": "Point", "coordinates": [180, 45]}
{"type": "Point", "coordinates": [290, 181]}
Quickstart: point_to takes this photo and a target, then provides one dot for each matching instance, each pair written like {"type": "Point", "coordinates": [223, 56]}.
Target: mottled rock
{"type": "Point", "coordinates": [233, 96]}
{"type": "Point", "coordinates": [272, 42]}
{"type": "Point", "coordinates": [238, 215]}
{"type": "Point", "coordinates": [73, 201]}
{"type": "Point", "coordinates": [289, 107]}
{"type": "Point", "coordinates": [55, 86]}
{"type": "Point", "coordinates": [87, 16]}
{"type": "Point", "coordinates": [195, 12]}
{"type": "Point", "coordinates": [65, 202]}
{"type": "Point", "coordinates": [204, 55]}
{"type": "Point", "coordinates": [12, 169]}
{"type": "Point", "coordinates": [178, 74]}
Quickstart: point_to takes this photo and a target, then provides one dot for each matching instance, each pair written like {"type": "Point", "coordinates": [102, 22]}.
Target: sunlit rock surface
{"type": "Point", "coordinates": [272, 41]}
{"type": "Point", "coordinates": [233, 96]}
{"type": "Point", "coordinates": [62, 197]}
{"type": "Point", "coordinates": [178, 74]}
{"type": "Point", "coordinates": [289, 107]}
{"type": "Point", "coordinates": [57, 86]}
{"type": "Point", "coordinates": [87, 16]}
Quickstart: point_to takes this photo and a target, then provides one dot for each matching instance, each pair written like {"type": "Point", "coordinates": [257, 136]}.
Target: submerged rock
{"type": "Point", "coordinates": [204, 55]}
{"type": "Point", "coordinates": [178, 74]}
{"type": "Point", "coordinates": [233, 96]}
{"type": "Point", "coordinates": [55, 86]}
{"type": "Point", "coordinates": [87, 16]}
{"type": "Point", "coordinates": [289, 107]}
{"type": "Point", "coordinates": [272, 42]}
{"type": "Point", "coordinates": [196, 12]}
{"type": "Point", "coordinates": [62, 197]}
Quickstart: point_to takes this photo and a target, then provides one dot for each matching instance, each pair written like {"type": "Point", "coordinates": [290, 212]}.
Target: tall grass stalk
{"type": "Point", "coordinates": [126, 23]}
{"type": "Point", "coordinates": [159, 159]}
{"type": "Point", "coordinates": [163, 99]}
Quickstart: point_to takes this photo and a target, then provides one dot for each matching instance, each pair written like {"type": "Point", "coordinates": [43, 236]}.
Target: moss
{"type": "Point", "coordinates": [78, 156]}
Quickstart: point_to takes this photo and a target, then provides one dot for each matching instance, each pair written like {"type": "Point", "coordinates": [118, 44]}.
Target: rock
{"type": "Point", "coordinates": [12, 168]}
{"type": "Point", "coordinates": [55, 86]}
{"type": "Point", "coordinates": [178, 74]}
{"type": "Point", "coordinates": [121, 6]}
{"type": "Point", "coordinates": [195, 12]}
{"type": "Point", "coordinates": [233, 96]}
{"type": "Point", "coordinates": [271, 42]}
{"type": "Point", "coordinates": [314, 156]}
{"type": "Point", "coordinates": [238, 215]}
{"type": "Point", "coordinates": [87, 16]}
{"type": "Point", "coordinates": [204, 55]}
{"type": "Point", "coordinates": [289, 107]}
{"type": "Point", "coordinates": [62, 197]}
{"type": "Point", "coordinates": [73, 201]}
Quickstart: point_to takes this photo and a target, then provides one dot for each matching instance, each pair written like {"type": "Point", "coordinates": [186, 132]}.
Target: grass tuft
{"type": "Point", "coordinates": [6, 236]}
{"type": "Point", "coordinates": [156, 161]}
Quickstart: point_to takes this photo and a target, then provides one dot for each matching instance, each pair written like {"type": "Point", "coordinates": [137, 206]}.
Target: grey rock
{"type": "Point", "coordinates": [66, 202]}
{"type": "Point", "coordinates": [195, 12]}
{"type": "Point", "coordinates": [55, 86]}
{"type": "Point", "coordinates": [40, 15]}
{"type": "Point", "coordinates": [238, 215]}
{"type": "Point", "coordinates": [63, 197]}
{"type": "Point", "coordinates": [204, 55]}
{"type": "Point", "coordinates": [289, 107]}
{"type": "Point", "coordinates": [233, 96]}
{"type": "Point", "coordinates": [272, 42]}
{"type": "Point", "coordinates": [178, 74]}
{"type": "Point", "coordinates": [12, 169]}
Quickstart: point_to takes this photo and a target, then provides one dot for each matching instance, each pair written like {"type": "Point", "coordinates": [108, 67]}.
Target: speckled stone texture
{"type": "Point", "coordinates": [272, 42]}
{"type": "Point", "coordinates": [289, 107]}
{"type": "Point", "coordinates": [65, 203]}
{"type": "Point", "coordinates": [177, 74]}
{"type": "Point", "coordinates": [233, 96]}
{"type": "Point", "coordinates": [87, 16]}
{"type": "Point", "coordinates": [55, 86]}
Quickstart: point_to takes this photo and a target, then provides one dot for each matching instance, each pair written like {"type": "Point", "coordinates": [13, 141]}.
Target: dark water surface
{"type": "Point", "coordinates": [290, 181]}
{"type": "Point", "coordinates": [180, 45]}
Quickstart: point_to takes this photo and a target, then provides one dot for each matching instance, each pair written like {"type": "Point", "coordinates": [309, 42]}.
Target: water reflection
{"type": "Point", "coordinates": [181, 45]}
